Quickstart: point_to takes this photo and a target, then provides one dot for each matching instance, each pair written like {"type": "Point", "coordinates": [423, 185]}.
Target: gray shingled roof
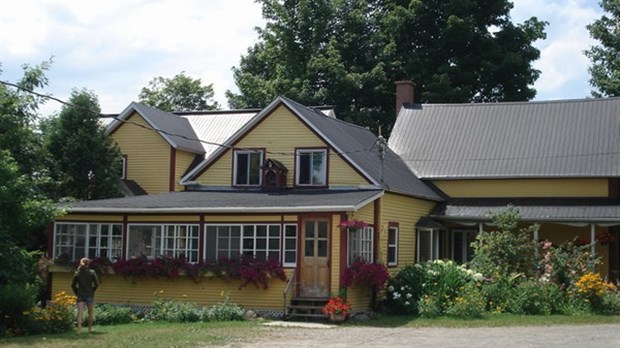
{"type": "Point", "coordinates": [178, 131]}
{"type": "Point", "coordinates": [570, 138]}
{"type": "Point", "coordinates": [531, 209]}
{"type": "Point", "coordinates": [233, 202]}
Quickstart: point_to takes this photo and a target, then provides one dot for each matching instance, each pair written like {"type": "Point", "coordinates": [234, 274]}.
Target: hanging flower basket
{"type": "Point", "coordinates": [346, 224]}
{"type": "Point", "coordinates": [605, 238]}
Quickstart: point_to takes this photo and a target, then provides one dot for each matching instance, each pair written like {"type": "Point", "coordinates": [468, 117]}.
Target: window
{"type": "Point", "coordinates": [169, 240]}
{"type": "Point", "coordinates": [290, 246]}
{"type": "Point", "coordinates": [461, 245]}
{"type": "Point", "coordinates": [392, 255]}
{"type": "Point", "coordinates": [311, 167]}
{"type": "Point", "coordinates": [361, 244]}
{"type": "Point", "coordinates": [230, 241]}
{"type": "Point", "coordinates": [88, 240]}
{"type": "Point", "coordinates": [123, 167]}
{"type": "Point", "coordinates": [431, 244]}
{"type": "Point", "coordinates": [247, 167]}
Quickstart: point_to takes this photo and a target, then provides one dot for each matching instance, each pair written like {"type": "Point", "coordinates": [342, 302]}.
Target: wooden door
{"type": "Point", "coordinates": [315, 258]}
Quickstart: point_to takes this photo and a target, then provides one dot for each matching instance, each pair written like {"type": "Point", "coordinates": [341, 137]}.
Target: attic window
{"type": "Point", "coordinates": [247, 167]}
{"type": "Point", "coordinates": [311, 167]}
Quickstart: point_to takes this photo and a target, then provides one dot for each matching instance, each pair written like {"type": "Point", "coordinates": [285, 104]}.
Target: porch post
{"type": "Point", "coordinates": [592, 241]}
{"type": "Point", "coordinates": [480, 227]}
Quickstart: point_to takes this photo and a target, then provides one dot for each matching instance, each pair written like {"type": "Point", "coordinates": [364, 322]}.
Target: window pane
{"type": "Point", "coordinates": [322, 229]}
{"type": "Point", "coordinates": [318, 168]}
{"type": "Point", "coordinates": [309, 248]}
{"type": "Point", "coordinates": [304, 169]}
{"type": "Point", "coordinates": [255, 168]}
{"type": "Point", "coordinates": [322, 248]}
{"type": "Point", "coordinates": [424, 245]}
{"type": "Point", "coordinates": [242, 168]}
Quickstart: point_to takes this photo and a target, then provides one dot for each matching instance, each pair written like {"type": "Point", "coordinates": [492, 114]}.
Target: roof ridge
{"type": "Point", "coordinates": [312, 108]}
{"type": "Point", "coordinates": [504, 103]}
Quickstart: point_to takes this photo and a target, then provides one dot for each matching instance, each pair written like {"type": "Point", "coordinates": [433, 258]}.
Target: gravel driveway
{"type": "Point", "coordinates": [573, 336]}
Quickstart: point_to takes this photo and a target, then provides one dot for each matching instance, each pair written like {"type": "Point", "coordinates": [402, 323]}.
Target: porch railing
{"type": "Point", "coordinates": [287, 295]}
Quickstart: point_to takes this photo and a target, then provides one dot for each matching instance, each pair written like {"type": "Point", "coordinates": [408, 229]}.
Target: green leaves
{"type": "Point", "coordinates": [605, 58]}
{"type": "Point", "coordinates": [180, 93]}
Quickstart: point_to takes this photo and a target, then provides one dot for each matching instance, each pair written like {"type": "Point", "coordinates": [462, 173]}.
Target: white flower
{"type": "Point", "coordinates": [390, 288]}
{"type": "Point", "coordinates": [407, 303]}
{"type": "Point", "coordinates": [417, 265]}
{"type": "Point", "coordinates": [396, 296]}
{"type": "Point", "coordinates": [478, 276]}
{"type": "Point", "coordinates": [402, 288]}
{"type": "Point", "coordinates": [409, 295]}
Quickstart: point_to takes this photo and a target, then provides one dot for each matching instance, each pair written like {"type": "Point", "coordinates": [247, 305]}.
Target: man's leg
{"type": "Point", "coordinates": [80, 306]}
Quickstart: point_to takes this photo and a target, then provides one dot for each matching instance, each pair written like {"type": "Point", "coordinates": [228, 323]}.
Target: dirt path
{"type": "Point", "coordinates": [577, 336]}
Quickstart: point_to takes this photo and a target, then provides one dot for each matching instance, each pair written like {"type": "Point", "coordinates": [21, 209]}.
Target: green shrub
{"type": "Point", "coordinates": [610, 303]}
{"type": "Point", "coordinates": [224, 311]}
{"type": "Point", "coordinates": [15, 300]}
{"type": "Point", "coordinates": [498, 291]}
{"type": "Point", "coordinates": [470, 303]}
{"type": "Point", "coordinates": [106, 314]}
{"type": "Point", "coordinates": [174, 311]}
{"type": "Point", "coordinates": [429, 306]}
{"type": "Point", "coordinates": [405, 289]}
{"type": "Point", "coordinates": [536, 297]}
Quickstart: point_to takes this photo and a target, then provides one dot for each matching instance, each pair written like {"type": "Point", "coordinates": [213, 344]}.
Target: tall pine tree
{"type": "Point", "coordinates": [87, 162]}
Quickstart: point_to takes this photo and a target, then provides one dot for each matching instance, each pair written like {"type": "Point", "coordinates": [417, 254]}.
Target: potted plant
{"type": "Point", "coordinates": [336, 308]}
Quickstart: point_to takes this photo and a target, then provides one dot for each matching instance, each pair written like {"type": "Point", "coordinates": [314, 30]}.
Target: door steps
{"type": "Point", "coordinates": [306, 309]}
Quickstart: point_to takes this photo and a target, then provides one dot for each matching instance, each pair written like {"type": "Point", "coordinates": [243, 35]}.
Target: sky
{"type": "Point", "coordinates": [116, 47]}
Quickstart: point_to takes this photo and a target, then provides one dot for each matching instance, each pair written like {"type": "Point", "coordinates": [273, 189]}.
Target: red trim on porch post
{"type": "Point", "coordinates": [343, 249]}
{"type": "Point", "coordinates": [377, 212]}
{"type": "Point", "coordinates": [201, 238]}
{"type": "Point", "coordinates": [124, 246]}
{"type": "Point", "coordinates": [173, 159]}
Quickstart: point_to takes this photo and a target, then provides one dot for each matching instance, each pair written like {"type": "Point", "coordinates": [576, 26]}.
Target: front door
{"type": "Point", "coordinates": [314, 258]}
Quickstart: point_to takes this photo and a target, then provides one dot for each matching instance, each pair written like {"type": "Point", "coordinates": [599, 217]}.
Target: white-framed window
{"type": "Point", "coordinates": [247, 167]}
{"type": "Point", "coordinates": [230, 241]}
{"type": "Point", "coordinates": [461, 245]}
{"type": "Point", "coordinates": [174, 240]}
{"type": "Point", "coordinates": [123, 167]}
{"type": "Point", "coordinates": [431, 244]}
{"type": "Point", "coordinates": [92, 240]}
{"type": "Point", "coordinates": [311, 167]}
{"type": "Point", "coordinates": [360, 244]}
{"type": "Point", "coordinates": [392, 252]}
{"type": "Point", "coordinates": [289, 258]}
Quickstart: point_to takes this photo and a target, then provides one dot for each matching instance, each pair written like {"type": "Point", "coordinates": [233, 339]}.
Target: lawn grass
{"type": "Point", "coordinates": [163, 334]}
{"type": "Point", "coordinates": [145, 335]}
{"type": "Point", "coordinates": [492, 320]}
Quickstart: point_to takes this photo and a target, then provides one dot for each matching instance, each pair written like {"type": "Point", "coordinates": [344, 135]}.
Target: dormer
{"type": "Point", "coordinates": [274, 174]}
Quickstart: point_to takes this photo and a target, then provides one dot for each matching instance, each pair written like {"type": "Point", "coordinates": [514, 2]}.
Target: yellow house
{"type": "Point", "coordinates": [557, 162]}
{"type": "Point", "coordinates": [277, 183]}
{"type": "Point", "coordinates": [277, 188]}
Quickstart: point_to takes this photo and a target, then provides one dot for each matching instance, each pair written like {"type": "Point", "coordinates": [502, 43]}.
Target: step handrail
{"type": "Point", "coordinates": [287, 289]}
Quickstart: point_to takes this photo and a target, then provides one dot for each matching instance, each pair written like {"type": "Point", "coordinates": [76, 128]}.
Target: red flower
{"type": "Point", "coordinates": [373, 275]}
{"type": "Point", "coordinates": [336, 305]}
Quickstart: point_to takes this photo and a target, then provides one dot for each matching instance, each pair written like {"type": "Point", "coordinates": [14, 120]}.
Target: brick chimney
{"type": "Point", "coordinates": [404, 94]}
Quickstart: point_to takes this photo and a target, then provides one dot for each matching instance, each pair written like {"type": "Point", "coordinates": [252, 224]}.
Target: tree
{"type": "Point", "coordinates": [180, 93]}
{"type": "Point", "coordinates": [87, 162]}
{"type": "Point", "coordinates": [349, 53]}
{"type": "Point", "coordinates": [605, 58]}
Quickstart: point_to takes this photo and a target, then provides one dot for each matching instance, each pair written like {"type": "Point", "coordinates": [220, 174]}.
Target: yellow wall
{"type": "Point", "coordinates": [120, 290]}
{"type": "Point", "coordinates": [280, 133]}
{"type": "Point", "coordinates": [406, 211]}
{"type": "Point", "coordinates": [183, 161]}
{"type": "Point", "coordinates": [524, 188]}
{"type": "Point", "coordinates": [148, 155]}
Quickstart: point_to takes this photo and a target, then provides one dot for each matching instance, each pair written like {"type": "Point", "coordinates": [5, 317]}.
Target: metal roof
{"type": "Point", "coordinates": [233, 202]}
{"type": "Point", "coordinates": [567, 138]}
{"type": "Point", "coordinates": [355, 144]}
{"type": "Point", "coordinates": [176, 130]}
{"type": "Point", "coordinates": [577, 210]}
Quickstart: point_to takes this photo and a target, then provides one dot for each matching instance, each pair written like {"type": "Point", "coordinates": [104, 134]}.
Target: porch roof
{"type": "Point", "coordinates": [570, 210]}
{"type": "Point", "coordinates": [227, 201]}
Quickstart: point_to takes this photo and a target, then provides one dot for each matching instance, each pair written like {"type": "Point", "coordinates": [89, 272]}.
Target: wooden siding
{"type": "Point", "coordinates": [148, 155]}
{"type": "Point", "coordinates": [119, 290]}
{"type": "Point", "coordinates": [525, 188]}
{"type": "Point", "coordinates": [183, 161]}
{"type": "Point", "coordinates": [163, 218]}
{"type": "Point", "coordinates": [90, 218]}
{"type": "Point", "coordinates": [406, 211]}
{"type": "Point", "coordinates": [280, 133]}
